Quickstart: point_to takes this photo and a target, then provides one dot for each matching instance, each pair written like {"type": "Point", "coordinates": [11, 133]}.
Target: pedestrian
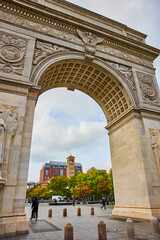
{"type": "Point", "coordinates": [34, 207]}
{"type": "Point", "coordinates": [103, 203]}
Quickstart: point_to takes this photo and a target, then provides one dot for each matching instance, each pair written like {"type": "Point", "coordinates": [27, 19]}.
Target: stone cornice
{"type": "Point", "coordinates": [133, 113]}
{"type": "Point", "coordinates": [58, 20]}
{"type": "Point", "coordinates": [84, 12]}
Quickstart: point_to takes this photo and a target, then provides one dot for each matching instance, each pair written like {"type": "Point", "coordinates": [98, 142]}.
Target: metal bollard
{"type": "Point", "coordinates": [65, 212]}
{"type": "Point", "coordinates": [68, 232]}
{"type": "Point", "coordinates": [79, 211]}
{"type": "Point", "coordinates": [102, 235]}
{"type": "Point", "coordinates": [130, 228]}
{"type": "Point", "coordinates": [155, 225]}
{"type": "Point", "coordinates": [50, 212]}
{"type": "Point", "coordinates": [92, 211]}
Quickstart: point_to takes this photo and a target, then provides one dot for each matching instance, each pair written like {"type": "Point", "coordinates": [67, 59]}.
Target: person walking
{"type": "Point", "coordinates": [103, 203]}
{"type": "Point", "coordinates": [34, 207]}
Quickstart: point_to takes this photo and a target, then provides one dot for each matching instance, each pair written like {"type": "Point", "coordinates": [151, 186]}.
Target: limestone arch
{"type": "Point", "coordinates": [97, 79]}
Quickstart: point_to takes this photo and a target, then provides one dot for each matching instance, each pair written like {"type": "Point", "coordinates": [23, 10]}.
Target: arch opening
{"type": "Point", "coordinates": [66, 127]}
{"type": "Point", "coordinates": [91, 79]}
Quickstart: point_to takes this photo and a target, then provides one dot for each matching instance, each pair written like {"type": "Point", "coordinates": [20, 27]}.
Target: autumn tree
{"type": "Point", "coordinates": [103, 188]}
{"type": "Point", "coordinates": [83, 190]}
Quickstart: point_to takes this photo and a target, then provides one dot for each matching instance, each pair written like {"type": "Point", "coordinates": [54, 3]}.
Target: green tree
{"type": "Point", "coordinates": [110, 180]}
{"type": "Point", "coordinates": [42, 192]}
{"type": "Point", "coordinates": [58, 186]}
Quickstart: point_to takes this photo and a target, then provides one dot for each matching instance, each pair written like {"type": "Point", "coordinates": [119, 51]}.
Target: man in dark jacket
{"type": "Point", "coordinates": [103, 203]}
{"type": "Point", "coordinates": [34, 207]}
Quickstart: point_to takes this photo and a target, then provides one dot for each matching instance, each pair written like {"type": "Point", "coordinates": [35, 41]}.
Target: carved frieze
{"type": "Point", "coordinates": [68, 31]}
{"type": "Point", "coordinates": [12, 53]}
{"type": "Point", "coordinates": [49, 27]}
{"type": "Point", "coordinates": [45, 49]}
{"type": "Point", "coordinates": [90, 41]}
{"type": "Point", "coordinates": [148, 89]}
{"type": "Point", "coordinates": [124, 55]}
{"type": "Point", "coordinates": [155, 144]}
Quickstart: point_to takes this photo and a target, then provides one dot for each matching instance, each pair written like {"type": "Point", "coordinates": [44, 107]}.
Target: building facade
{"type": "Point", "coordinates": [56, 169]}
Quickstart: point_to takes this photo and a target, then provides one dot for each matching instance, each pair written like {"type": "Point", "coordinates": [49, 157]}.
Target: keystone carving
{"type": "Point", "coordinates": [148, 89]}
{"type": "Point", "coordinates": [155, 143]}
{"type": "Point", "coordinates": [45, 49]}
{"type": "Point", "coordinates": [8, 128]}
{"type": "Point", "coordinates": [12, 54]}
{"type": "Point", "coordinates": [90, 41]}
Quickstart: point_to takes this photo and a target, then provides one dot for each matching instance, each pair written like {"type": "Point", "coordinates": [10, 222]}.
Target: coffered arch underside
{"type": "Point", "coordinates": [91, 79]}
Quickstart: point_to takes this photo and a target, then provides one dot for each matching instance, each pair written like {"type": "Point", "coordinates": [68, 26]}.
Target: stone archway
{"type": "Point", "coordinates": [104, 59]}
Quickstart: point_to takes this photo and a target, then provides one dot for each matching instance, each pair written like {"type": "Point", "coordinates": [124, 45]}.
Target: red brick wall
{"type": "Point", "coordinates": [51, 173]}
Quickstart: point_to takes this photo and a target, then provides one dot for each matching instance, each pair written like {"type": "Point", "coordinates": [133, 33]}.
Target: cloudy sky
{"type": "Point", "coordinates": [71, 122]}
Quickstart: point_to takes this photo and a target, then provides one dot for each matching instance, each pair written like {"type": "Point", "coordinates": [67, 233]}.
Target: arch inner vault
{"type": "Point", "coordinates": [57, 44]}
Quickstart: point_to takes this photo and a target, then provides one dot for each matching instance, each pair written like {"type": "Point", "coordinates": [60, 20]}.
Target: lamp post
{"type": "Point", "coordinates": [51, 194]}
{"type": "Point", "coordinates": [67, 188]}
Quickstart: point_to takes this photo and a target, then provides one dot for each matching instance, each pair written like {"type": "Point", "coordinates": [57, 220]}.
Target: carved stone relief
{"type": "Point", "coordinates": [125, 71]}
{"type": "Point", "coordinates": [8, 128]}
{"type": "Point", "coordinates": [124, 55]}
{"type": "Point", "coordinates": [148, 89]}
{"type": "Point", "coordinates": [45, 49]}
{"type": "Point", "coordinates": [12, 53]}
{"type": "Point", "coordinates": [90, 41]}
{"type": "Point", "coordinates": [155, 143]}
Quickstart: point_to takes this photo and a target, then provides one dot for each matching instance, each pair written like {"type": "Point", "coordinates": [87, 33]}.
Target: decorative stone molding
{"type": "Point", "coordinates": [155, 143]}
{"type": "Point", "coordinates": [90, 40]}
{"type": "Point", "coordinates": [46, 26]}
{"type": "Point", "coordinates": [12, 53]}
{"type": "Point", "coordinates": [124, 55]}
{"type": "Point", "coordinates": [148, 89]}
{"type": "Point", "coordinates": [134, 37]}
{"type": "Point", "coordinates": [58, 28]}
{"type": "Point", "coordinates": [45, 49]}
{"type": "Point", "coordinates": [8, 128]}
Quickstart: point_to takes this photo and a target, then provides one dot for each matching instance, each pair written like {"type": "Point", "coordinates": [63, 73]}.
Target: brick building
{"type": "Point", "coordinates": [55, 169]}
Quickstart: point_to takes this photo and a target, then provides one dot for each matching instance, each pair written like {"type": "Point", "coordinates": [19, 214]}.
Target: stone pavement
{"type": "Point", "coordinates": [85, 226]}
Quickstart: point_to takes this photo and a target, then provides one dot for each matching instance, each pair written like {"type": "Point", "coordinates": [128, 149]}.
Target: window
{"type": "Point", "coordinates": [78, 171]}
{"type": "Point", "coordinates": [55, 172]}
{"type": "Point", "coordinates": [61, 172]}
{"type": "Point", "coordinates": [47, 172]}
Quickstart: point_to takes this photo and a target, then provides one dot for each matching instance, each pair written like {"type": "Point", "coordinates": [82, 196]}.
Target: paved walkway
{"type": "Point", "coordinates": [85, 226]}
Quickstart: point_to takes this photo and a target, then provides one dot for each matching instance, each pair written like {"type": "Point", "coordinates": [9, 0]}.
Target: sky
{"type": "Point", "coordinates": [69, 122]}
